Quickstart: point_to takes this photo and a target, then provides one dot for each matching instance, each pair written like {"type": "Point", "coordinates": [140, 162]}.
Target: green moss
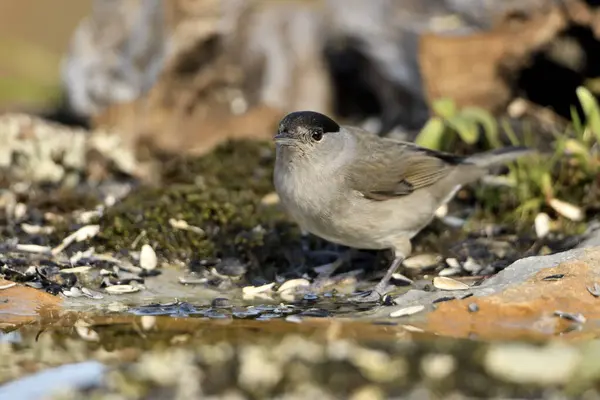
{"type": "Point", "coordinates": [225, 202]}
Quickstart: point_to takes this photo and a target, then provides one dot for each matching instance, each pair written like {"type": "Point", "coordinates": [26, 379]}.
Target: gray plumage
{"type": "Point", "coordinates": [354, 188]}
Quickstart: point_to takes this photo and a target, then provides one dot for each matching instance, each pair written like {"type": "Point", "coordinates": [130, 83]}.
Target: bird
{"type": "Point", "coordinates": [360, 190]}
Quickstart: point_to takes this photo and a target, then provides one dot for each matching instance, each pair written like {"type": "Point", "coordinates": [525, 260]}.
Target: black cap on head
{"type": "Point", "coordinates": [310, 120]}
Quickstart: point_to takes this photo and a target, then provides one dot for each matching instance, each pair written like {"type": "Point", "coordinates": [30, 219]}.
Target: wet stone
{"type": "Point", "coordinates": [231, 267]}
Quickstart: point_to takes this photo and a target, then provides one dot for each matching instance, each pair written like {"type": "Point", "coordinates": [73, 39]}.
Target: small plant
{"type": "Point", "coordinates": [570, 174]}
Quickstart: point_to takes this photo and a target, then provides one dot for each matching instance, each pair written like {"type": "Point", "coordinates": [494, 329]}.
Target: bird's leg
{"type": "Point", "coordinates": [402, 248]}
{"type": "Point", "coordinates": [380, 289]}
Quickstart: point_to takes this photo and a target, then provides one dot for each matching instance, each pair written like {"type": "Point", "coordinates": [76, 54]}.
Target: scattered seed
{"type": "Point", "coordinates": [542, 225]}
{"type": "Point", "coordinates": [37, 229]}
{"type": "Point", "coordinates": [249, 290]}
{"type": "Point", "coordinates": [578, 317]}
{"type": "Point", "coordinates": [472, 266]}
{"type": "Point", "coordinates": [293, 284]}
{"type": "Point", "coordinates": [75, 270]}
{"type": "Point", "coordinates": [183, 225]}
{"type": "Point", "coordinates": [33, 248]}
{"type": "Point", "coordinates": [148, 260]}
{"type": "Point", "coordinates": [91, 294]}
{"type": "Point", "coordinates": [594, 290]}
{"type": "Point", "coordinates": [554, 277]}
{"type": "Point", "coordinates": [122, 289]}
{"type": "Point", "coordinates": [73, 292]}
{"type": "Point", "coordinates": [407, 311]}
{"type": "Point", "coordinates": [567, 210]}
{"type": "Point", "coordinates": [83, 233]}
{"type": "Point", "coordinates": [399, 277]}
{"type": "Point", "coordinates": [442, 299]}
{"type": "Point", "coordinates": [473, 307]}
{"type": "Point", "coordinates": [445, 283]}
{"type": "Point", "coordinates": [192, 281]}
{"type": "Point", "coordinates": [422, 261]}
{"type": "Point", "coordinates": [449, 272]}
{"type": "Point", "coordinates": [412, 328]}
{"type": "Point", "coordinates": [8, 286]}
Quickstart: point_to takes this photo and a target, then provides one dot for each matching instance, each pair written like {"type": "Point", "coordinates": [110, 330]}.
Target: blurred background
{"type": "Point", "coordinates": [182, 76]}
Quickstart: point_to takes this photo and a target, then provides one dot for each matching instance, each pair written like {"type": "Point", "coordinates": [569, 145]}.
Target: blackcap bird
{"type": "Point", "coordinates": [357, 189]}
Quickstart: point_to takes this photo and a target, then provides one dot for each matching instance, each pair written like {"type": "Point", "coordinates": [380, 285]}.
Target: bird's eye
{"type": "Point", "coordinates": [317, 136]}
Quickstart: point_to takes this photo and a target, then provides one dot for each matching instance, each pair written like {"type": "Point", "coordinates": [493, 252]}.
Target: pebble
{"type": "Point", "coordinates": [148, 322]}
{"type": "Point", "coordinates": [148, 259]}
{"type": "Point", "coordinates": [473, 307]}
{"type": "Point", "coordinates": [407, 311]}
{"type": "Point", "coordinates": [445, 283]}
{"type": "Point", "coordinates": [453, 263]}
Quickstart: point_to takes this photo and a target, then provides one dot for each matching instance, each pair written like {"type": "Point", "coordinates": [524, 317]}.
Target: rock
{"type": "Point", "coordinates": [22, 304]}
{"type": "Point", "coordinates": [517, 302]}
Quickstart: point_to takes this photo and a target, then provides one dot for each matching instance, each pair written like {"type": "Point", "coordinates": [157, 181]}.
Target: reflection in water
{"type": "Point", "coordinates": [52, 381]}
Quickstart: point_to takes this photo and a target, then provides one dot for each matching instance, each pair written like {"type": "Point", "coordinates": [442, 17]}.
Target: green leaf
{"type": "Point", "coordinates": [432, 134]}
{"type": "Point", "coordinates": [444, 108]}
{"type": "Point", "coordinates": [486, 120]}
{"type": "Point", "coordinates": [576, 122]}
{"type": "Point", "coordinates": [467, 129]}
{"type": "Point", "coordinates": [591, 110]}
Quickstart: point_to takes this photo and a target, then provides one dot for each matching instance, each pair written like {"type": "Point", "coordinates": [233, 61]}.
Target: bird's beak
{"type": "Point", "coordinates": [284, 138]}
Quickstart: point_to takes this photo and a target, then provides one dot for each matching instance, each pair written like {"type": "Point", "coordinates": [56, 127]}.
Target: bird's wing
{"type": "Point", "coordinates": [390, 169]}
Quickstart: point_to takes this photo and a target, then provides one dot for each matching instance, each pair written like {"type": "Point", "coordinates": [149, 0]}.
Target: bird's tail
{"type": "Point", "coordinates": [499, 156]}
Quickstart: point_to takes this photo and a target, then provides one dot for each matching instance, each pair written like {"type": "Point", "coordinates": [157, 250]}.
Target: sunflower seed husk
{"type": "Point", "coordinates": [542, 225]}
{"type": "Point", "coordinates": [33, 248]}
{"type": "Point", "coordinates": [76, 270]}
{"type": "Point", "coordinates": [449, 271]}
{"type": "Point", "coordinates": [567, 210]}
{"type": "Point", "coordinates": [577, 317]}
{"type": "Point", "coordinates": [83, 233]}
{"type": "Point", "coordinates": [594, 290]}
{"type": "Point", "coordinates": [8, 286]}
{"type": "Point", "coordinates": [91, 293]}
{"type": "Point", "coordinates": [36, 229]}
{"type": "Point", "coordinates": [121, 289]}
{"type": "Point", "coordinates": [73, 292]}
{"type": "Point", "coordinates": [148, 260]}
{"type": "Point", "coordinates": [249, 290]}
{"type": "Point", "coordinates": [293, 284]}
{"type": "Point", "coordinates": [422, 261]}
{"type": "Point", "coordinates": [403, 312]}
{"type": "Point", "coordinates": [444, 283]}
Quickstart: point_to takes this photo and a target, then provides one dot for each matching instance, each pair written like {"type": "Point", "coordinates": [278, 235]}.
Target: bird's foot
{"type": "Point", "coordinates": [370, 296]}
